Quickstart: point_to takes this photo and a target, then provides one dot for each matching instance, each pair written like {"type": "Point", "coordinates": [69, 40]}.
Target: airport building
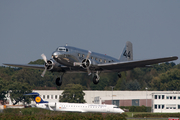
{"type": "Point", "coordinates": [159, 101]}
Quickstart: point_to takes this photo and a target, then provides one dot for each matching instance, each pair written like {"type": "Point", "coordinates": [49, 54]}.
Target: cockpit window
{"type": "Point", "coordinates": [63, 49]}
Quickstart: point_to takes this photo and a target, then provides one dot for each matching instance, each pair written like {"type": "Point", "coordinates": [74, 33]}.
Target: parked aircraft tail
{"type": "Point", "coordinates": [37, 97]}
{"type": "Point", "coordinates": [127, 53]}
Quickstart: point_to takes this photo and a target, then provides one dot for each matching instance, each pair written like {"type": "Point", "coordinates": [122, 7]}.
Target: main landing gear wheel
{"type": "Point", "coordinates": [58, 81]}
{"type": "Point", "coordinates": [95, 80]}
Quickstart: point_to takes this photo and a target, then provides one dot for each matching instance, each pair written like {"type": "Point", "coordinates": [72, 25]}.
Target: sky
{"type": "Point", "coordinates": [30, 28]}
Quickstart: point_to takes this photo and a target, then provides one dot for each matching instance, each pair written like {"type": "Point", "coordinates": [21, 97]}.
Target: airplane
{"type": "Point", "coordinates": [74, 107]}
{"type": "Point", "coordinates": [68, 59]}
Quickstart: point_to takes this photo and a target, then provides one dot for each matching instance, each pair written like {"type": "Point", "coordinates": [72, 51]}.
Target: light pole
{"type": "Point", "coordinates": [146, 96]}
{"type": "Point", "coordinates": [112, 93]}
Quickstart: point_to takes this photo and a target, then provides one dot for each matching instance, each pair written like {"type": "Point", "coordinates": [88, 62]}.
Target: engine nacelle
{"type": "Point", "coordinates": [53, 104]}
{"type": "Point", "coordinates": [52, 65]}
{"type": "Point", "coordinates": [86, 63]}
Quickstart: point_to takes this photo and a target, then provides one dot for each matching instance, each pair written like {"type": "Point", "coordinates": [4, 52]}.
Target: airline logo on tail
{"type": "Point", "coordinates": [38, 99]}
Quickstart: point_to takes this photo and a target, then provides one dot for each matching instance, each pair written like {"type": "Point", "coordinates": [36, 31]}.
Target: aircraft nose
{"type": "Point", "coordinates": [122, 111]}
{"type": "Point", "coordinates": [55, 54]}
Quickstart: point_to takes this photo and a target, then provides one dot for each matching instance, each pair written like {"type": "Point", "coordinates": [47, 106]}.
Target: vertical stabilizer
{"type": "Point", "coordinates": [127, 53]}
{"type": "Point", "coordinates": [37, 97]}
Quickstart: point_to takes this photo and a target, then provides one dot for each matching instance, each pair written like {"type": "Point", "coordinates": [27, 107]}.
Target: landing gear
{"type": "Point", "coordinates": [59, 80]}
{"type": "Point", "coordinates": [96, 78]}
{"type": "Point", "coordinates": [119, 75]}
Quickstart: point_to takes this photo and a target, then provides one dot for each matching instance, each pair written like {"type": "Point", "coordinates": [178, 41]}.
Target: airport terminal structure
{"type": "Point", "coordinates": [159, 101]}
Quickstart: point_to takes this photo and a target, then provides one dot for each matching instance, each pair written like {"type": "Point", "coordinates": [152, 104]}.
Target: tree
{"type": "Point", "coordinates": [3, 89]}
{"type": "Point", "coordinates": [73, 93]}
{"type": "Point", "coordinates": [17, 91]}
{"type": "Point", "coordinates": [133, 85]}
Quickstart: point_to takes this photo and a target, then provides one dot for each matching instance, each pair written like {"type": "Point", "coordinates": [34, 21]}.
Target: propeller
{"type": "Point", "coordinates": [89, 53]}
{"type": "Point", "coordinates": [84, 63]}
{"type": "Point", "coordinates": [45, 60]}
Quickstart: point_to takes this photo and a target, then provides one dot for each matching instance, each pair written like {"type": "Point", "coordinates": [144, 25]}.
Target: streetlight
{"type": "Point", "coordinates": [112, 93]}
{"type": "Point", "coordinates": [146, 96]}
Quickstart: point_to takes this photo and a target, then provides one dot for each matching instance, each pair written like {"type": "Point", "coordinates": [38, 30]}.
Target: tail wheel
{"type": "Point", "coordinates": [58, 81]}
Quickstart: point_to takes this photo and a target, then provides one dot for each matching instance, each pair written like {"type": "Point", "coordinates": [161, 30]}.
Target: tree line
{"type": "Point", "coordinates": [165, 76]}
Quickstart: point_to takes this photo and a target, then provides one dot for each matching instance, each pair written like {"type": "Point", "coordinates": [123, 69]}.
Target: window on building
{"type": "Point", "coordinates": [51, 96]}
{"type": "Point", "coordinates": [155, 106]}
{"type": "Point", "coordinates": [162, 96]}
{"type": "Point", "coordinates": [167, 97]}
{"type": "Point", "coordinates": [159, 106]}
{"type": "Point", "coordinates": [174, 97]}
{"type": "Point", "coordinates": [43, 96]}
{"type": "Point", "coordinates": [135, 102]}
{"type": "Point", "coordinates": [55, 96]}
{"type": "Point", "coordinates": [178, 97]}
{"type": "Point", "coordinates": [178, 106]}
{"type": "Point", "coordinates": [170, 97]}
{"type": "Point", "coordinates": [155, 97]}
{"type": "Point", "coordinates": [47, 96]}
{"type": "Point", "coordinates": [162, 106]}
{"type": "Point", "coordinates": [159, 97]}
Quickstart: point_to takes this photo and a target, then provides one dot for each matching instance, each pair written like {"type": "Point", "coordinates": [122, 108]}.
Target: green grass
{"type": "Point", "coordinates": [131, 114]}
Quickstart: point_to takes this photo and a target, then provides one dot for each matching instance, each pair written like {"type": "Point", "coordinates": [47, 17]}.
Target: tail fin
{"type": "Point", "coordinates": [37, 97]}
{"type": "Point", "coordinates": [127, 53]}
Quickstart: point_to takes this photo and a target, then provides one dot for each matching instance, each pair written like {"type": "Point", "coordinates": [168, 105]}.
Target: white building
{"type": "Point", "coordinates": [166, 102]}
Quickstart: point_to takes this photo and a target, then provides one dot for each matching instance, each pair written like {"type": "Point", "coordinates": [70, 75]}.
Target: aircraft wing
{"type": "Point", "coordinates": [128, 65]}
{"type": "Point", "coordinates": [26, 65]}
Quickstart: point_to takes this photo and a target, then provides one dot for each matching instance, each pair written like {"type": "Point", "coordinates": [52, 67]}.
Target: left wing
{"type": "Point", "coordinates": [128, 65]}
{"type": "Point", "coordinates": [26, 65]}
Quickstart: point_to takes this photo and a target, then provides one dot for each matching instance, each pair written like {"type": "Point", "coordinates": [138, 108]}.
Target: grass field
{"type": "Point", "coordinates": [131, 114]}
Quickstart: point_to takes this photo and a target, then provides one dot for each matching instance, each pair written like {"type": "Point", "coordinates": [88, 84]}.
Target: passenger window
{"type": "Point", "coordinates": [83, 55]}
{"type": "Point", "coordinates": [100, 60]}
{"type": "Point", "coordinates": [104, 61]}
{"type": "Point", "coordinates": [91, 57]}
{"type": "Point", "coordinates": [79, 54]}
{"type": "Point", "coordinates": [96, 59]}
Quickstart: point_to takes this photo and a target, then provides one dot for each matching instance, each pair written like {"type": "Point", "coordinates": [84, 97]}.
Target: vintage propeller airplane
{"type": "Point", "coordinates": [67, 59]}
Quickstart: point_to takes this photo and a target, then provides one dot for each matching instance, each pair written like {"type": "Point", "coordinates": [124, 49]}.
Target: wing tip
{"type": "Point", "coordinates": [175, 57]}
